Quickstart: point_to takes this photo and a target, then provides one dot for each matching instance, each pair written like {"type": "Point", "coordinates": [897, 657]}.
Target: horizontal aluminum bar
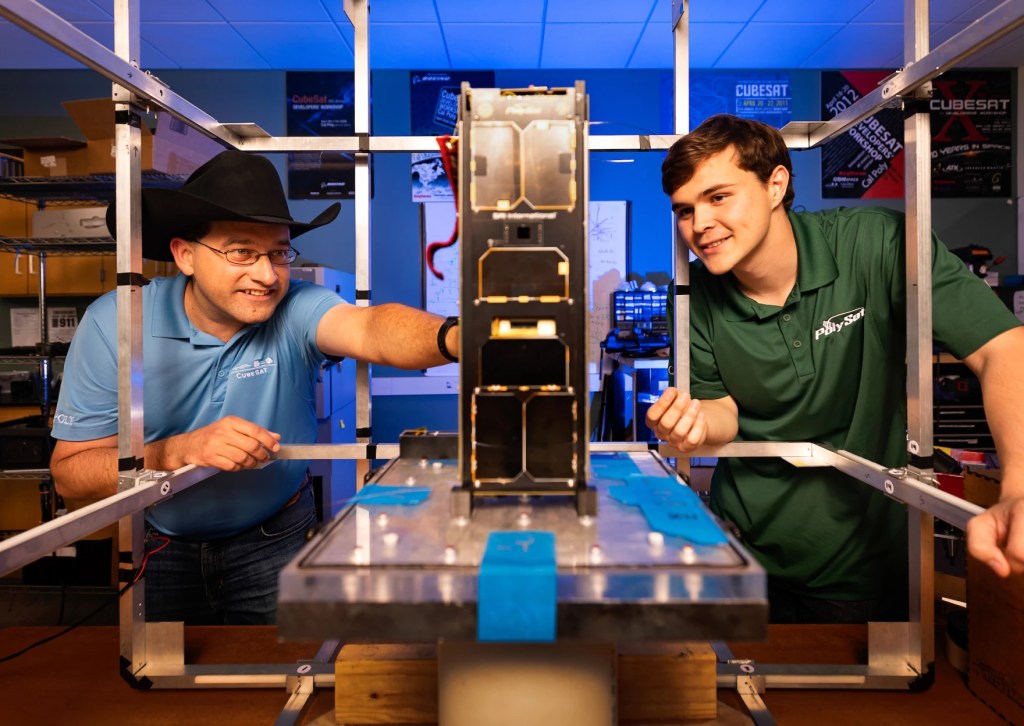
{"type": "Point", "coordinates": [271, 675]}
{"type": "Point", "coordinates": [43, 539]}
{"type": "Point", "coordinates": [335, 451]}
{"type": "Point", "coordinates": [783, 449]}
{"type": "Point", "coordinates": [801, 452]}
{"type": "Point", "coordinates": [817, 676]}
{"type": "Point", "coordinates": [62, 35]}
{"type": "Point", "coordinates": [624, 446]}
{"type": "Point", "coordinates": [901, 485]}
{"type": "Point", "coordinates": [989, 28]}
{"type": "Point", "coordinates": [255, 139]}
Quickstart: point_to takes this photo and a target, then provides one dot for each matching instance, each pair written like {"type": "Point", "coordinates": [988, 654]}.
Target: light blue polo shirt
{"type": "Point", "coordinates": [265, 374]}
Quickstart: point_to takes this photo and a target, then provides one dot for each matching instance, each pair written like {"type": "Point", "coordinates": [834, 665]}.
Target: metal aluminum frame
{"type": "Point", "coordinates": [899, 653]}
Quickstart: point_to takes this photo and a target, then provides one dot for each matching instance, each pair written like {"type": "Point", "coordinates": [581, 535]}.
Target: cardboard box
{"type": "Point", "coordinates": [995, 640]}
{"type": "Point", "coordinates": [70, 222]}
{"type": "Point", "coordinates": [20, 505]}
{"type": "Point", "coordinates": [52, 155]}
{"type": "Point", "coordinates": [173, 148]}
{"type": "Point", "coordinates": [995, 613]}
{"type": "Point", "coordinates": [981, 485]}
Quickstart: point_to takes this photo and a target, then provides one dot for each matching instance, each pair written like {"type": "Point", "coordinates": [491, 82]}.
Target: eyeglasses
{"type": "Point", "coordinates": [246, 258]}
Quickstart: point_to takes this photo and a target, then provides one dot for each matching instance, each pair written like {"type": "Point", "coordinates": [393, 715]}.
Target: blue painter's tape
{"type": "Point", "coordinates": [396, 496]}
{"type": "Point", "coordinates": [516, 588]}
{"type": "Point", "coordinates": [674, 509]}
{"type": "Point", "coordinates": [669, 507]}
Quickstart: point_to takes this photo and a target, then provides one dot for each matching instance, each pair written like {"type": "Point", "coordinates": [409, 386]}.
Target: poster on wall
{"type": "Point", "coordinates": [972, 134]}
{"type": "Point", "coordinates": [764, 96]}
{"type": "Point", "coordinates": [867, 161]}
{"type": "Point", "coordinates": [320, 103]}
{"type": "Point", "coordinates": [972, 137]}
{"type": "Point", "coordinates": [434, 103]}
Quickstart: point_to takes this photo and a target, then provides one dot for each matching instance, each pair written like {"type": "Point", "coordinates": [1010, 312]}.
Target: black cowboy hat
{"type": "Point", "coordinates": [233, 186]}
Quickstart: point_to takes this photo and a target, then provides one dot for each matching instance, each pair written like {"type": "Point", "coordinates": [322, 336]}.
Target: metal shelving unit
{"type": "Point", "coordinates": [900, 655]}
{"type": "Point", "coordinates": [73, 190]}
{"type": "Point", "coordinates": [71, 246]}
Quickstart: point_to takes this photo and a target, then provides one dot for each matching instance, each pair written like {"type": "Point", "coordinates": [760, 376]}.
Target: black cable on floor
{"type": "Point", "coordinates": [68, 629]}
{"type": "Point", "coordinates": [164, 541]}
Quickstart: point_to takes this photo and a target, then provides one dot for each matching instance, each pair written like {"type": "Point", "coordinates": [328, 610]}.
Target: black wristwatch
{"type": "Point", "coordinates": [442, 334]}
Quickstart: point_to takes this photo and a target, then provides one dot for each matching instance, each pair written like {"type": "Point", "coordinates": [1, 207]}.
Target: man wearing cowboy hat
{"type": "Point", "coordinates": [231, 353]}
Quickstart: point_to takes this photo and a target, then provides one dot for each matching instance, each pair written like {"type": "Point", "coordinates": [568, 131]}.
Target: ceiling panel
{"type": "Point", "coordinates": [589, 45]}
{"type": "Point", "coordinates": [75, 10]}
{"type": "Point", "coordinates": [391, 46]}
{"type": "Point", "coordinates": [21, 50]}
{"type": "Point", "coordinates": [759, 45]}
{"type": "Point", "coordinates": [975, 11]}
{"type": "Point", "coordinates": [605, 11]}
{"type": "Point", "coordinates": [203, 46]}
{"type": "Point", "coordinates": [477, 11]}
{"type": "Point", "coordinates": [708, 41]}
{"type": "Point", "coordinates": [940, 33]}
{"type": "Point", "coordinates": [869, 44]}
{"type": "Point", "coordinates": [389, 11]}
{"type": "Point", "coordinates": [178, 11]}
{"type": "Point", "coordinates": [268, 11]}
{"type": "Point", "coordinates": [654, 50]}
{"type": "Point", "coordinates": [514, 35]}
{"type": "Point", "coordinates": [1004, 53]}
{"type": "Point", "coordinates": [724, 11]}
{"type": "Point", "coordinates": [891, 11]}
{"type": "Point", "coordinates": [830, 11]}
{"type": "Point", "coordinates": [322, 46]}
{"type": "Point", "coordinates": [483, 45]}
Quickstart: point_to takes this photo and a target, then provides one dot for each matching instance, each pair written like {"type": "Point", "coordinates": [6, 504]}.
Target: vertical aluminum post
{"type": "Point", "coordinates": [917, 149]}
{"type": "Point", "coordinates": [358, 14]}
{"type": "Point", "coordinates": [680, 252]}
{"type": "Point", "coordinates": [45, 362]}
{"type": "Point", "coordinates": [128, 140]}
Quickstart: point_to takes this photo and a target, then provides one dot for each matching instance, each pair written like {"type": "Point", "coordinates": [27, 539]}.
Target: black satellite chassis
{"type": "Point", "coordinates": [522, 199]}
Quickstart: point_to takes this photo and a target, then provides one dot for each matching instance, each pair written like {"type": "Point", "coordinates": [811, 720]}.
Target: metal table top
{"type": "Point", "coordinates": [409, 573]}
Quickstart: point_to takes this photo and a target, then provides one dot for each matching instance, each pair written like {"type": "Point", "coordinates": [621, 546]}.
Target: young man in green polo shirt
{"type": "Point", "coordinates": [797, 333]}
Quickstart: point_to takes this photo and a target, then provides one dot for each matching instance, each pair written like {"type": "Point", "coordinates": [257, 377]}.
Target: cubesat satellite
{"type": "Point", "coordinates": [522, 202]}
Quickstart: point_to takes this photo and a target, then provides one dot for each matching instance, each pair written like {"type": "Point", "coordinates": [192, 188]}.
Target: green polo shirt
{"type": "Point", "coordinates": [827, 366]}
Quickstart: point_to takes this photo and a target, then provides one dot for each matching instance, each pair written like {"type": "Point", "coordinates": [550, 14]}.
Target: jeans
{"type": "Point", "coordinates": [787, 607]}
{"type": "Point", "coordinates": [232, 581]}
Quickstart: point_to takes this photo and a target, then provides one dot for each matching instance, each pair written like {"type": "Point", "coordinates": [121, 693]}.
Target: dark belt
{"type": "Point", "coordinates": [306, 483]}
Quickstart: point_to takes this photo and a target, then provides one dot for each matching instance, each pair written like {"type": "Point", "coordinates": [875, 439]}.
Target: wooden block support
{"type": "Point", "coordinates": [667, 682]}
{"type": "Point", "coordinates": [386, 684]}
{"type": "Point", "coordinates": [397, 684]}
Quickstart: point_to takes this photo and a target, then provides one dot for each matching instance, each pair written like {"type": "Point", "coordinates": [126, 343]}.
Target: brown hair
{"type": "Point", "coordinates": [759, 148]}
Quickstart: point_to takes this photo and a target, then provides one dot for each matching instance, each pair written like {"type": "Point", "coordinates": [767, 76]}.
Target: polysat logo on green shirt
{"type": "Point", "coordinates": [837, 322]}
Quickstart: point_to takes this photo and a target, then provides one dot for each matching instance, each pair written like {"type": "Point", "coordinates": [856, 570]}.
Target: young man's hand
{"type": "Point", "coordinates": [996, 536]}
{"type": "Point", "coordinates": [678, 419]}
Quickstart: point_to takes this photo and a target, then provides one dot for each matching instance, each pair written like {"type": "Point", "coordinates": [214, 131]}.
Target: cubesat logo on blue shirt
{"type": "Point", "coordinates": [258, 367]}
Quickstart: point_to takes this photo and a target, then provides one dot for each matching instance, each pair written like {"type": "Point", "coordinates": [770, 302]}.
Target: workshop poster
{"type": "Point", "coordinates": [972, 134]}
{"type": "Point", "coordinates": [764, 96]}
{"type": "Point", "coordinates": [867, 161]}
{"type": "Point", "coordinates": [434, 102]}
{"type": "Point", "coordinates": [320, 103]}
